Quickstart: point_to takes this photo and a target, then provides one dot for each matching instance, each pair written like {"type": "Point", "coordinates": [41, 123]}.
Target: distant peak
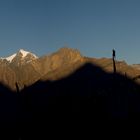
{"type": "Point", "coordinates": [22, 53]}
{"type": "Point", "coordinates": [21, 50]}
{"type": "Point", "coordinates": [10, 58]}
{"type": "Point", "coordinates": [66, 49]}
{"type": "Point", "coordinates": [25, 53]}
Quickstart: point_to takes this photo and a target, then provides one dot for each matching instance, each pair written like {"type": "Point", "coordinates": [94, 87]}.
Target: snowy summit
{"type": "Point", "coordinates": [10, 58]}
{"type": "Point", "coordinates": [25, 53]}
{"type": "Point", "coordinates": [21, 51]}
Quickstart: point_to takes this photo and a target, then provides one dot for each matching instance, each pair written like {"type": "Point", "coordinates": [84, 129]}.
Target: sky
{"type": "Point", "coordinates": [94, 27]}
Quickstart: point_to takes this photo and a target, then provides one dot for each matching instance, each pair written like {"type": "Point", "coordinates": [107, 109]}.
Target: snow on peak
{"type": "Point", "coordinates": [10, 58]}
{"type": "Point", "coordinates": [23, 52]}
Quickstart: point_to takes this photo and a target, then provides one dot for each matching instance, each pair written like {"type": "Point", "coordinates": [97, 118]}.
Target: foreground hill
{"type": "Point", "coordinates": [80, 102]}
{"type": "Point", "coordinates": [69, 100]}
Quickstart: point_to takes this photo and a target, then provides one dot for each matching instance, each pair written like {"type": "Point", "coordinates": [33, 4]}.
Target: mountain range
{"type": "Point", "coordinates": [25, 68]}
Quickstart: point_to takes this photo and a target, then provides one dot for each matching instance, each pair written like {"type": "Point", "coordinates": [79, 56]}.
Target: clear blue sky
{"type": "Point", "coordinates": [94, 27]}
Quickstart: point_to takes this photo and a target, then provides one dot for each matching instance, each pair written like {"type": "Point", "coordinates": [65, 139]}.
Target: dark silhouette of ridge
{"type": "Point", "coordinates": [87, 96]}
{"type": "Point", "coordinates": [65, 107]}
{"type": "Point", "coordinates": [9, 113]}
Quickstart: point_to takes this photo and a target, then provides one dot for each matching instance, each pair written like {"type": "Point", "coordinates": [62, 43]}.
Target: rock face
{"type": "Point", "coordinates": [26, 68]}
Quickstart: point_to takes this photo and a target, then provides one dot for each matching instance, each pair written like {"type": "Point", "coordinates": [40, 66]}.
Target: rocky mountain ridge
{"type": "Point", "coordinates": [25, 68]}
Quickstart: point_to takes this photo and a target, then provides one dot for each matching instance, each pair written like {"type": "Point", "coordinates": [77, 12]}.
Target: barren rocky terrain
{"type": "Point", "coordinates": [26, 68]}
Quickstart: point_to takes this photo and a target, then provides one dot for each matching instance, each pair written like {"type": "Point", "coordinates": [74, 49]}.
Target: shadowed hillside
{"type": "Point", "coordinates": [88, 95]}
{"type": "Point", "coordinates": [9, 113]}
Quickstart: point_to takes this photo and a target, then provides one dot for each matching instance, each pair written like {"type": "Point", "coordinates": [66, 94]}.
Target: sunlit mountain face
{"type": "Point", "coordinates": [25, 68]}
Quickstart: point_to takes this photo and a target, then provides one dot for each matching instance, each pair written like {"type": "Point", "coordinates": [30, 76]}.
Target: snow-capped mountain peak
{"type": "Point", "coordinates": [25, 53]}
{"type": "Point", "coordinates": [10, 58]}
{"type": "Point", "coordinates": [22, 53]}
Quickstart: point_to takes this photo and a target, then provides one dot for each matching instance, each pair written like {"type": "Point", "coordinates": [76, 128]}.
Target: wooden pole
{"type": "Point", "coordinates": [113, 58]}
{"type": "Point", "coordinates": [17, 88]}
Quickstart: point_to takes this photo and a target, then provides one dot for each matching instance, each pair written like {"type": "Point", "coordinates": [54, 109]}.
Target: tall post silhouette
{"type": "Point", "coordinates": [113, 58]}
{"type": "Point", "coordinates": [17, 88]}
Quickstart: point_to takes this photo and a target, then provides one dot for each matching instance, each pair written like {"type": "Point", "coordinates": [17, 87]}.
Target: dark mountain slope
{"type": "Point", "coordinates": [88, 95]}
{"type": "Point", "coordinates": [9, 114]}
